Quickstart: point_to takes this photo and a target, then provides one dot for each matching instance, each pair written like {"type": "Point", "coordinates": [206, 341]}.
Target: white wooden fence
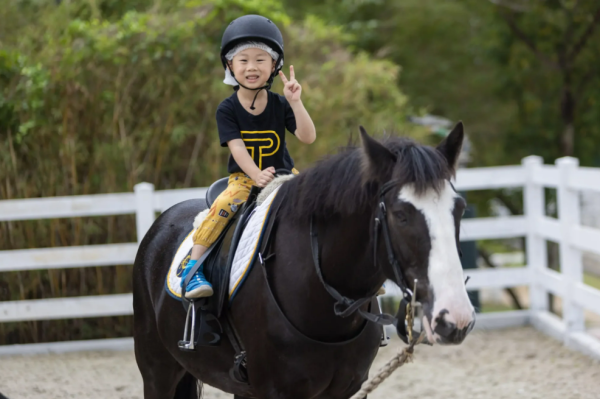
{"type": "Point", "coordinates": [565, 176]}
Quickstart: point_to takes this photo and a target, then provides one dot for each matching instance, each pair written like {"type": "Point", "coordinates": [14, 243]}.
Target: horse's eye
{"type": "Point", "coordinates": [401, 217]}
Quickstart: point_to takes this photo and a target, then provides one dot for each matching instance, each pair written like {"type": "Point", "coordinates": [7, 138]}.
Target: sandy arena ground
{"type": "Point", "coordinates": [514, 363]}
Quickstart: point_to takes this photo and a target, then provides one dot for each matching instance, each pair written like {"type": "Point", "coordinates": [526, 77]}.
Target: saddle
{"type": "Point", "coordinates": [212, 311]}
{"type": "Point", "coordinates": [215, 190]}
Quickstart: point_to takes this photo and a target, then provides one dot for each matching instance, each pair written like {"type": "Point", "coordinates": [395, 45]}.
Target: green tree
{"type": "Point", "coordinates": [520, 73]}
{"type": "Point", "coordinates": [443, 49]}
{"type": "Point", "coordinates": [549, 51]}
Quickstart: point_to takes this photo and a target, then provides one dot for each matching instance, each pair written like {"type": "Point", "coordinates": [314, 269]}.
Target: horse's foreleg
{"type": "Point", "coordinates": [187, 388]}
{"type": "Point", "coordinates": [160, 371]}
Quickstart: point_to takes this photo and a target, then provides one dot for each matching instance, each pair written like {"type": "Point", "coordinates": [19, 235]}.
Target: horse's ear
{"type": "Point", "coordinates": [378, 161]}
{"type": "Point", "coordinates": [450, 147]}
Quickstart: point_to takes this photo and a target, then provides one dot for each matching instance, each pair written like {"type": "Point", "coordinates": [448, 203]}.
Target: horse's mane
{"type": "Point", "coordinates": [337, 185]}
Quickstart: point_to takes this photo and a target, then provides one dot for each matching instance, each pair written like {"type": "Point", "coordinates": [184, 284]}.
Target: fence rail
{"type": "Point", "coordinates": [532, 176]}
{"type": "Point", "coordinates": [67, 308]}
{"type": "Point", "coordinates": [64, 257]}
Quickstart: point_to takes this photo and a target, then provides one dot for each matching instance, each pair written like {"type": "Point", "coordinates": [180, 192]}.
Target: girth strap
{"type": "Point", "coordinates": [239, 371]}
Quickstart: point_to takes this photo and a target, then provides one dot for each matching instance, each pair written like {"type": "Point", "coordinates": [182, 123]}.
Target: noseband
{"type": "Point", "coordinates": [345, 306]}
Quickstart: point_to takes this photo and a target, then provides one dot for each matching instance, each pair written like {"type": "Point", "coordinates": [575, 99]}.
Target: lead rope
{"type": "Point", "coordinates": [401, 358]}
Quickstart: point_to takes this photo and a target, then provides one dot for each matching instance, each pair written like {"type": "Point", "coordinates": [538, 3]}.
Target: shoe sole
{"type": "Point", "coordinates": [199, 292]}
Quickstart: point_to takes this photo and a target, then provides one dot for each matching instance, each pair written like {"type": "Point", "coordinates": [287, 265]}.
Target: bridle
{"type": "Point", "coordinates": [381, 220]}
{"type": "Point", "coordinates": [345, 306]}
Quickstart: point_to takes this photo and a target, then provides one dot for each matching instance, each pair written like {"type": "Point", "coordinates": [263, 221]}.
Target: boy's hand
{"type": "Point", "coordinates": [291, 89]}
{"type": "Point", "coordinates": [265, 177]}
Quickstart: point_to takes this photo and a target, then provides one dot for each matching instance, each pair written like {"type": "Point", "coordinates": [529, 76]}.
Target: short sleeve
{"type": "Point", "coordinates": [227, 124]}
{"type": "Point", "coordinates": [290, 118]}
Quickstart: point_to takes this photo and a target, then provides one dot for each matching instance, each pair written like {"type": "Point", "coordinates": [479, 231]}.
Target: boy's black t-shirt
{"type": "Point", "coordinates": [263, 135]}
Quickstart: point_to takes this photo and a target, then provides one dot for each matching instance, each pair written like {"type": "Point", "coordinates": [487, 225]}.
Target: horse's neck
{"type": "Point", "coordinates": [347, 256]}
{"type": "Point", "coordinates": [347, 265]}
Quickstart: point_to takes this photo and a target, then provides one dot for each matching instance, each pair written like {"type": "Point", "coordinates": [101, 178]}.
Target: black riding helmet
{"type": "Point", "coordinates": [253, 28]}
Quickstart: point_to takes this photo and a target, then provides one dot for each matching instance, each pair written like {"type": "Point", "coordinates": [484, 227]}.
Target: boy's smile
{"type": "Point", "coordinates": [252, 78]}
{"type": "Point", "coordinates": [252, 67]}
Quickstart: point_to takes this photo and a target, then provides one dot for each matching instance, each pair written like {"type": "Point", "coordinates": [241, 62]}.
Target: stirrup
{"type": "Point", "coordinates": [187, 343]}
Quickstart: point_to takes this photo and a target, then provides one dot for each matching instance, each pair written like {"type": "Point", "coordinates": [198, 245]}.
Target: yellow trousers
{"type": "Point", "coordinates": [222, 210]}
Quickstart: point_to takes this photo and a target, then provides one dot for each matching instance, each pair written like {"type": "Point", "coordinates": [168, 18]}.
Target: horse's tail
{"type": "Point", "coordinates": [188, 388]}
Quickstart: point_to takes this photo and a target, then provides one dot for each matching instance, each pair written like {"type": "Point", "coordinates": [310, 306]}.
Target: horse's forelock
{"type": "Point", "coordinates": [423, 166]}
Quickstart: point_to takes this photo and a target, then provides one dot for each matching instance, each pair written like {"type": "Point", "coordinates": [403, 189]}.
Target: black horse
{"type": "Point", "coordinates": [296, 345]}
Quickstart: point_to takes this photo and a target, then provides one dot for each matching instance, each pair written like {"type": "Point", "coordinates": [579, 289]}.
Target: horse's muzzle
{"type": "Point", "coordinates": [447, 332]}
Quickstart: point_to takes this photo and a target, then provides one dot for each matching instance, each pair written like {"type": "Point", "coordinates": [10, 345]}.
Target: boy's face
{"type": "Point", "coordinates": [252, 67]}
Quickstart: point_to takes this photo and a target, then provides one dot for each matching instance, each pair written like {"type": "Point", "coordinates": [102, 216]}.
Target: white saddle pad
{"type": "Point", "coordinates": [244, 256]}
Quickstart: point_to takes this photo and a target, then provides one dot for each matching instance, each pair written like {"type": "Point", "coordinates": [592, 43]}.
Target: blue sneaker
{"type": "Point", "coordinates": [198, 287]}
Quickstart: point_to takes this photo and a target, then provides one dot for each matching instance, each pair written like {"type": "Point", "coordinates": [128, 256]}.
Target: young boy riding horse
{"type": "Point", "coordinates": [252, 123]}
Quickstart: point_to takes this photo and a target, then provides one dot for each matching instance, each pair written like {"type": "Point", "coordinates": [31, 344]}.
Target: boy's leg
{"type": "Point", "coordinates": [222, 210]}
{"type": "Point", "coordinates": [197, 251]}
{"type": "Point", "coordinates": [198, 286]}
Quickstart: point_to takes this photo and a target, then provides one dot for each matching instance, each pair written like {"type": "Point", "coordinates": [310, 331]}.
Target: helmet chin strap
{"type": "Point", "coordinates": [258, 89]}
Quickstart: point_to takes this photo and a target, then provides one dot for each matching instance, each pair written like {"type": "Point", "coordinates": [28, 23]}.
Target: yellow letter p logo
{"type": "Point", "coordinates": [261, 144]}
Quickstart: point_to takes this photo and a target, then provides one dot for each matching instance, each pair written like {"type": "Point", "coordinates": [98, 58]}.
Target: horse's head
{"type": "Point", "coordinates": [422, 213]}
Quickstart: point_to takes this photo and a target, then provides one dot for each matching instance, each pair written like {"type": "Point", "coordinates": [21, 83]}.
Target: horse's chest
{"type": "Point", "coordinates": [290, 362]}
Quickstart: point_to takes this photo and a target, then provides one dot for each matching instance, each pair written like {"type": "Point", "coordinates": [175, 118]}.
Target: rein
{"type": "Point", "coordinates": [345, 306]}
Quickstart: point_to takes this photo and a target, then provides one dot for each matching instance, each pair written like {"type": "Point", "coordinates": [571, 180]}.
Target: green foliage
{"type": "Point", "coordinates": [504, 69]}
{"type": "Point", "coordinates": [444, 49]}
{"type": "Point", "coordinates": [548, 54]}
{"type": "Point", "coordinates": [8, 70]}
{"type": "Point", "coordinates": [510, 70]}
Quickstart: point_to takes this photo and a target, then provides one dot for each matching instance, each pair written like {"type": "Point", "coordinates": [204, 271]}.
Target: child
{"type": "Point", "coordinates": [252, 123]}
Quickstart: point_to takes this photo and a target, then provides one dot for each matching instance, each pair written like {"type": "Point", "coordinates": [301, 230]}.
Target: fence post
{"type": "Point", "coordinates": [571, 264]}
{"type": "Point", "coordinates": [535, 246]}
{"type": "Point", "coordinates": [144, 204]}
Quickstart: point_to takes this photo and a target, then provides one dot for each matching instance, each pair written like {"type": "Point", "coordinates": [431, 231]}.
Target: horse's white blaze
{"type": "Point", "coordinates": [445, 271]}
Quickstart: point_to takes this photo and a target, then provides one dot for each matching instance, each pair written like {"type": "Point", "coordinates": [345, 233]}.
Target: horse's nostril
{"type": "Point", "coordinates": [443, 327]}
{"type": "Point", "coordinates": [448, 331]}
{"type": "Point", "coordinates": [471, 325]}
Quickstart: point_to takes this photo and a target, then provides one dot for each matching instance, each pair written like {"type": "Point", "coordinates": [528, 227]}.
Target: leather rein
{"type": "Point", "coordinates": [345, 306]}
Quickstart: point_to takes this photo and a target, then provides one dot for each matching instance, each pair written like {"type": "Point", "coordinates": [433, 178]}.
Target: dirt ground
{"type": "Point", "coordinates": [513, 363]}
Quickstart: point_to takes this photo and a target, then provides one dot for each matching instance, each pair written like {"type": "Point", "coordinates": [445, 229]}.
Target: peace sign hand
{"type": "Point", "coordinates": [291, 89]}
